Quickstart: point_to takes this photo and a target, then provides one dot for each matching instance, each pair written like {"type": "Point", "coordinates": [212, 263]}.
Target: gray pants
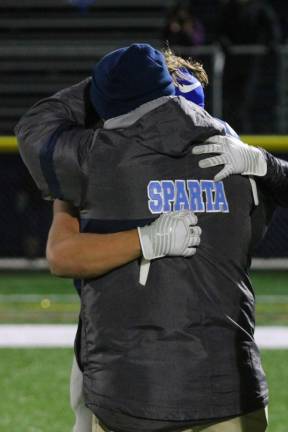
{"type": "Point", "coordinates": [83, 416]}
{"type": "Point", "coordinates": [253, 422]}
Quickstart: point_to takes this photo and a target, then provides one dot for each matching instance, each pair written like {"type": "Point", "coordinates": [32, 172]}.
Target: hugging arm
{"type": "Point", "coordinates": [71, 253]}
{"type": "Point", "coordinates": [74, 254]}
{"type": "Point", "coordinates": [53, 141]}
{"type": "Point", "coordinates": [275, 182]}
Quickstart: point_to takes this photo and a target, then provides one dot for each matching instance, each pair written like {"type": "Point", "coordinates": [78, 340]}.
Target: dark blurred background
{"type": "Point", "coordinates": [46, 45]}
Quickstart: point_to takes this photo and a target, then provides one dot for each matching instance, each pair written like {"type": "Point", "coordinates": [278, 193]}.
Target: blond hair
{"type": "Point", "coordinates": [175, 62]}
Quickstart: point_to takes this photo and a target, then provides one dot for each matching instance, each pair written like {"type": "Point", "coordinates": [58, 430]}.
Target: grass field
{"type": "Point", "coordinates": [35, 382]}
{"type": "Point", "coordinates": [42, 298]}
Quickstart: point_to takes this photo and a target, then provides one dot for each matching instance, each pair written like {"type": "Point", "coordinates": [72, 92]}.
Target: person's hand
{"type": "Point", "coordinates": [174, 234]}
{"type": "Point", "coordinates": [237, 157]}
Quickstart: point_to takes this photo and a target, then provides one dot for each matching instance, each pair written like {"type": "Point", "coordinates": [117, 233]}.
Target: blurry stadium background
{"type": "Point", "coordinates": [47, 45]}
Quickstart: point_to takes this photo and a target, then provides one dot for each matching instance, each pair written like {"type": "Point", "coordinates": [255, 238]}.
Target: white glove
{"type": "Point", "coordinates": [237, 157]}
{"type": "Point", "coordinates": [172, 234]}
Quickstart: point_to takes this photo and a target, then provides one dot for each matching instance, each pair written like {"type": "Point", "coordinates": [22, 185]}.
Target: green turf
{"type": "Point", "coordinates": [43, 298]}
{"type": "Point", "coordinates": [33, 283]}
{"type": "Point", "coordinates": [44, 310]}
{"type": "Point", "coordinates": [270, 282]}
{"type": "Point", "coordinates": [34, 388]}
{"type": "Point", "coordinates": [264, 282]}
{"type": "Point", "coordinates": [275, 365]}
{"type": "Point", "coordinates": [271, 289]}
{"type": "Point", "coordinates": [37, 297]}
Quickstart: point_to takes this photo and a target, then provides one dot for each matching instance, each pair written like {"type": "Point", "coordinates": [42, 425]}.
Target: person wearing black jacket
{"type": "Point", "coordinates": [214, 213]}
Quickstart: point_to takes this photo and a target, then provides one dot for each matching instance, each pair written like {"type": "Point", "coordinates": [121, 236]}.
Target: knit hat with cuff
{"type": "Point", "coordinates": [127, 78]}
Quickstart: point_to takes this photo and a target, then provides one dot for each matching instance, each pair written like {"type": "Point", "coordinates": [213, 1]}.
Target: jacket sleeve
{"type": "Point", "coordinates": [275, 183]}
{"type": "Point", "coordinates": [54, 141]}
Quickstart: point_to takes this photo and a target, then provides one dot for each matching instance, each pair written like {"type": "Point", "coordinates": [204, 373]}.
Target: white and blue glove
{"type": "Point", "coordinates": [236, 156]}
{"type": "Point", "coordinates": [173, 234]}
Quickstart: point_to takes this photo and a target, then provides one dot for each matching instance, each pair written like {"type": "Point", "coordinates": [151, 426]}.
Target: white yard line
{"type": "Point", "coordinates": [34, 335]}
{"type": "Point", "coordinates": [49, 336]}
{"type": "Point", "coordinates": [272, 337]}
{"type": "Point", "coordinates": [41, 263]}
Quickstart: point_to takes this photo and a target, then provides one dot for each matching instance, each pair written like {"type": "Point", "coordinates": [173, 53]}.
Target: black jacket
{"type": "Point", "coordinates": [182, 347]}
{"type": "Point", "coordinates": [162, 351]}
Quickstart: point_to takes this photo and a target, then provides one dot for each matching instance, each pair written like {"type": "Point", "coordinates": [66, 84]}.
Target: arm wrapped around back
{"type": "Point", "coordinates": [275, 182]}
{"type": "Point", "coordinates": [53, 141]}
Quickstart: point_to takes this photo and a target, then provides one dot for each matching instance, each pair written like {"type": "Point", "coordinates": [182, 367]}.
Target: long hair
{"type": "Point", "coordinates": [175, 62]}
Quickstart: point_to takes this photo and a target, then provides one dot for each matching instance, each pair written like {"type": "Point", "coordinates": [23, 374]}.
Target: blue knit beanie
{"type": "Point", "coordinates": [127, 78]}
{"type": "Point", "coordinates": [189, 87]}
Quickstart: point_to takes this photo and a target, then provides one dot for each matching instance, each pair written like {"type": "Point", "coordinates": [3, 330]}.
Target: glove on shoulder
{"type": "Point", "coordinates": [236, 156]}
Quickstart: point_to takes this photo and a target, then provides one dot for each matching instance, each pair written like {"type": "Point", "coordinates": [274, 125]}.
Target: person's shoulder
{"type": "Point", "coordinates": [228, 129]}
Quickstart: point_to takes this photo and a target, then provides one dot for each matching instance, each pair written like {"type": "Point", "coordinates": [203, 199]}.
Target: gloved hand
{"type": "Point", "coordinates": [237, 157]}
{"type": "Point", "coordinates": [172, 234]}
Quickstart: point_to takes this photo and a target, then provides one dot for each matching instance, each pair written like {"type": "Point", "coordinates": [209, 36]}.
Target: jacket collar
{"type": "Point", "coordinates": [130, 118]}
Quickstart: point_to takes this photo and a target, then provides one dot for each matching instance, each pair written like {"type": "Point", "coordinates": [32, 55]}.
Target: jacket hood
{"type": "Point", "coordinates": [168, 125]}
